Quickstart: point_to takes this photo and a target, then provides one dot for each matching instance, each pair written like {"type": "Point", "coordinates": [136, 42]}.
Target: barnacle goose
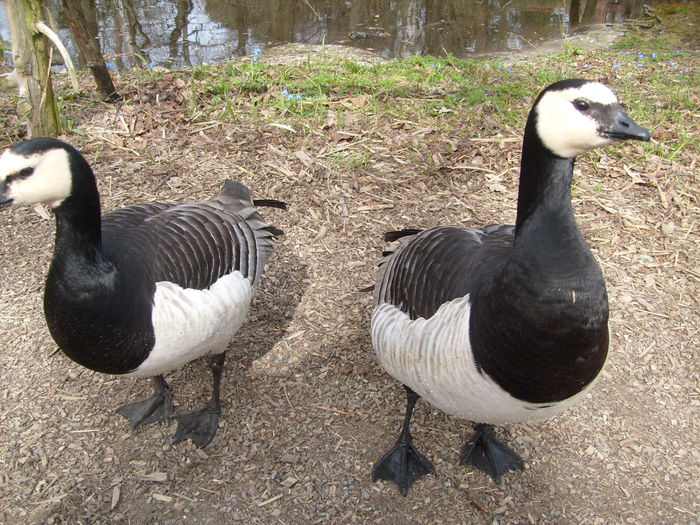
{"type": "Point", "coordinates": [502, 324]}
{"type": "Point", "coordinates": [146, 288]}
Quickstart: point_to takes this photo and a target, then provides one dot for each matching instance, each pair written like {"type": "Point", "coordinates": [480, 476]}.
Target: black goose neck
{"type": "Point", "coordinates": [78, 221]}
{"type": "Point", "coordinates": [545, 179]}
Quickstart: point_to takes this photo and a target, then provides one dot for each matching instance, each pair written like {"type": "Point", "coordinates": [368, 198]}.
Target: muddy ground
{"type": "Point", "coordinates": [307, 411]}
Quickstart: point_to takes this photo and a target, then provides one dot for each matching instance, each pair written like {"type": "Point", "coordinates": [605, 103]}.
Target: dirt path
{"type": "Point", "coordinates": [304, 424]}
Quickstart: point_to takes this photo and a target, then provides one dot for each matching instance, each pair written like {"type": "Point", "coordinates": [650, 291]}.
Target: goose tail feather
{"type": "Point", "coordinates": [270, 203]}
{"type": "Point", "coordinates": [236, 198]}
{"type": "Point", "coordinates": [398, 234]}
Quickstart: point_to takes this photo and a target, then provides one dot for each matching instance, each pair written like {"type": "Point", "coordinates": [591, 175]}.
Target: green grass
{"type": "Point", "coordinates": [350, 161]}
{"type": "Point", "coordinates": [657, 86]}
{"type": "Point", "coordinates": [250, 77]}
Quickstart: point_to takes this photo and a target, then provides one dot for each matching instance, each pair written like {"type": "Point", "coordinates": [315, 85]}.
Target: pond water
{"type": "Point", "coordinates": [179, 33]}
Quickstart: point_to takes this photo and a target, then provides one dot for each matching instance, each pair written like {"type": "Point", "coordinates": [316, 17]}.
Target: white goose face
{"type": "Point", "coordinates": [573, 120]}
{"type": "Point", "coordinates": [43, 177]}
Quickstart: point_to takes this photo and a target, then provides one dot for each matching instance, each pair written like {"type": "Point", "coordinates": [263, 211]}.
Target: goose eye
{"type": "Point", "coordinates": [581, 105]}
{"type": "Point", "coordinates": [19, 175]}
{"type": "Point", "coordinates": [25, 172]}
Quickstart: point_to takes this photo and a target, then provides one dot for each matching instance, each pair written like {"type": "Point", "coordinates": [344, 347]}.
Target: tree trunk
{"type": "Point", "coordinates": [574, 15]}
{"type": "Point", "coordinates": [36, 107]}
{"type": "Point", "coordinates": [82, 20]}
{"type": "Point", "coordinates": [589, 12]}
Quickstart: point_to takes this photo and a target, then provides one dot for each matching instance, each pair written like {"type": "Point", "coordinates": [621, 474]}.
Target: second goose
{"type": "Point", "coordinates": [502, 324]}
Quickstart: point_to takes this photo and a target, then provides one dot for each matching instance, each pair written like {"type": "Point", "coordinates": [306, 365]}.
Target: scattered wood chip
{"type": "Point", "coordinates": [268, 501]}
{"type": "Point", "coordinates": [282, 126]}
{"type": "Point", "coordinates": [289, 482]}
{"type": "Point", "coordinates": [289, 458]}
{"type": "Point", "coordinates": [478, 505]}
{"type": "Point", "coordinates": [41, 212]}
{"type": "Point", "coordinates": [116, 494]}
{"type": "Point", "coordinates": [334, 410]}
{"type": "Point", "coordinates": [159, 477]}
{"type": "Point", "coordinates": [668, 228]}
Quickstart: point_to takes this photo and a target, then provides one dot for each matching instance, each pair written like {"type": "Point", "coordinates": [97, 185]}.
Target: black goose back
{"type": "Point", "coordinates": [440, 264]}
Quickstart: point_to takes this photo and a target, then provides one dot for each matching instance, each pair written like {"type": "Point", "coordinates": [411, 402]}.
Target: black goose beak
{"type": "Point", "coordinates": [4, 201]}
{"type": "Point", "coordinates": [625, 128]}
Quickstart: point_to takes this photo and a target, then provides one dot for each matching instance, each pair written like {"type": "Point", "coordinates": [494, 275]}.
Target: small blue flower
{"type": "Point", "coordinates": [639, 64]}
{"type": "Point", "coordinates": [586, 66]}
{"type": "Point", "coordinates": [677, 52]}
{"type": "Point", "coordinates": [256, 54]}
{"type": "Point", "coordinates": [672, 64]}
{"type": "Point", "coordinates": [500, 66]}
{"type": "Point", "coordinates": [616, 65]}
{"type": "Point", "coordinates": [509, 69]}
{"type": "Point", "coordinates": [653, 55]}
{"type": "Point", "coordinates": [290, 96]}
{"type": "Point", "coordinates": [682, 72]}
{"type": "Point", "coordinates": [640, 55]}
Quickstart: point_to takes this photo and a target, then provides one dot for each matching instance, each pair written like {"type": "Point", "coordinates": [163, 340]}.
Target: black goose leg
{"type": "Point", "coordinates": [158, 407]}
{"type": "Point", "coordinates": [403, 464]}
{"type": "Point", "coordinates": [200, 425]}
{"type": "Point", "coordinates": [486, 453]}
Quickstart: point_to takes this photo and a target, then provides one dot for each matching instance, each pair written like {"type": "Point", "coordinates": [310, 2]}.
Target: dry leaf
{"type": "Point", "coordinates": [497, 187]}
{"type": "Point", "coordinates": [354, 102]}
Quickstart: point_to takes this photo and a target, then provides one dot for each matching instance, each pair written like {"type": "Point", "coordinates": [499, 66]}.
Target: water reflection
{"type": "Point", "coordinates": [188, 32]}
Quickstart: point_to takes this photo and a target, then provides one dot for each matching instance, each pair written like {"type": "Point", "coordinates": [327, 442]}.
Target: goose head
{"type": "Point", "coordinates": [38, 171]}
{"type": "Point", "coordinates": [573, 116]}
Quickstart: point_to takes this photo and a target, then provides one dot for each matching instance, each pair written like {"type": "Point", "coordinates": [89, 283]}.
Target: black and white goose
{"type": "Point", "coordinates": [502, 324]}
{"type": "Point", "coordinates": [146, 288]}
